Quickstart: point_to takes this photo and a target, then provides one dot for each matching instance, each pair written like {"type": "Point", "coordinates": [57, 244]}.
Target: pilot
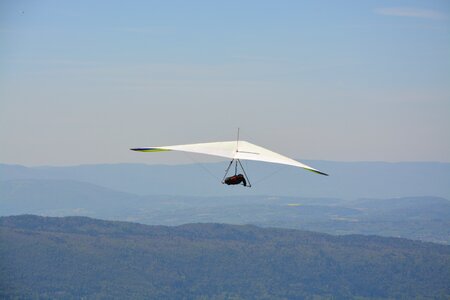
{"type": "Point", "coordinates": [236, 179]}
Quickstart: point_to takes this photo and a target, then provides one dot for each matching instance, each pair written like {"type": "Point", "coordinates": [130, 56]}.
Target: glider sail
{"type": "Point", "coordinates": [240, 150]}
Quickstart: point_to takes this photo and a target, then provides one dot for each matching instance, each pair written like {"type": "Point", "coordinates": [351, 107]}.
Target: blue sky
{"type": "Point", "coordinates": [83, 81]}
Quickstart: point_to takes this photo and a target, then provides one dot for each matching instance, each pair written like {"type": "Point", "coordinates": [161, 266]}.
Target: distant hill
{"type": "Point", "coordinates": [63, 197]}
{"type": "Point", "coordinates": [347, 180]}
{"type": "Point", "coordinates": [79, 257]}
{"type": "Point", "coordinates": [422, 218]}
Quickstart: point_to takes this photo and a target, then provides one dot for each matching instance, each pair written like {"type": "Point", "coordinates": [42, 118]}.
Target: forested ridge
{"type": "Point", "coordinates": [76, 257]}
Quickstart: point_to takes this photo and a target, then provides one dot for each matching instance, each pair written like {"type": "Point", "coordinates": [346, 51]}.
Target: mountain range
{"type": "Point", "coordinates": [347, 180]}
{"type": "Point", "coordinates": [424, 218]}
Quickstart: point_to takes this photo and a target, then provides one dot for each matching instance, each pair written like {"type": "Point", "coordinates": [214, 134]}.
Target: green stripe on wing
{"type": "Point", "coordinates": [150, 149]}
{"type": "Point", "coordinates": [317, 171]}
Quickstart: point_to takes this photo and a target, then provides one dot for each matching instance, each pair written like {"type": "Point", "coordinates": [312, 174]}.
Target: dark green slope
{"type": "Point", "coordinates": [74, 257]}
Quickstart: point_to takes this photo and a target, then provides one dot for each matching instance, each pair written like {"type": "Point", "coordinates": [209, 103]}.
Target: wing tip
{"type": "Point", "coordinates": [319, 172]}
{"type": "Point", "coordinates": [149, 149]}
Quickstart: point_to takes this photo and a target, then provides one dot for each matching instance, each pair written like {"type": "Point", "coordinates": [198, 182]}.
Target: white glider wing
{"type": "Point", "coordinates": [241, 150]}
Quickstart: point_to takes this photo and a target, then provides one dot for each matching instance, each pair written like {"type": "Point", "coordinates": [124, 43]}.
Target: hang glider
{"type": "Point", "coordinates": [236, 151]}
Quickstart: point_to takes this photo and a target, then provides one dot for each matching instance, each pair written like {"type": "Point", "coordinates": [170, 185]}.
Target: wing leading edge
{"type": "Point", "coordinates": [235, 150]}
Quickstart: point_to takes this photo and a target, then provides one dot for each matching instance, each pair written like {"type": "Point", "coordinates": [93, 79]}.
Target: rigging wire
{"type": "Point", "coordinates": [270, 174]}
{"type": "Point", "coordinates": [201, 166]}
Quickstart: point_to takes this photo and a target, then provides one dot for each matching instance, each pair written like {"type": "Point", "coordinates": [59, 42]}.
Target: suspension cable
{"type": "Point", "coordinates": [245, 174]}
{"type": "Point", "coordinates": [226, 171]}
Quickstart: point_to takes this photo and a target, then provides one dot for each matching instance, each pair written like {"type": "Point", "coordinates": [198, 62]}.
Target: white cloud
{"type": "Point", "coordinates": [411, 12]}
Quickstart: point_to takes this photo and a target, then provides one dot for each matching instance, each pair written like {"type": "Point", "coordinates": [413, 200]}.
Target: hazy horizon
{"type": "Point", "coordinates": [82, 82]}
